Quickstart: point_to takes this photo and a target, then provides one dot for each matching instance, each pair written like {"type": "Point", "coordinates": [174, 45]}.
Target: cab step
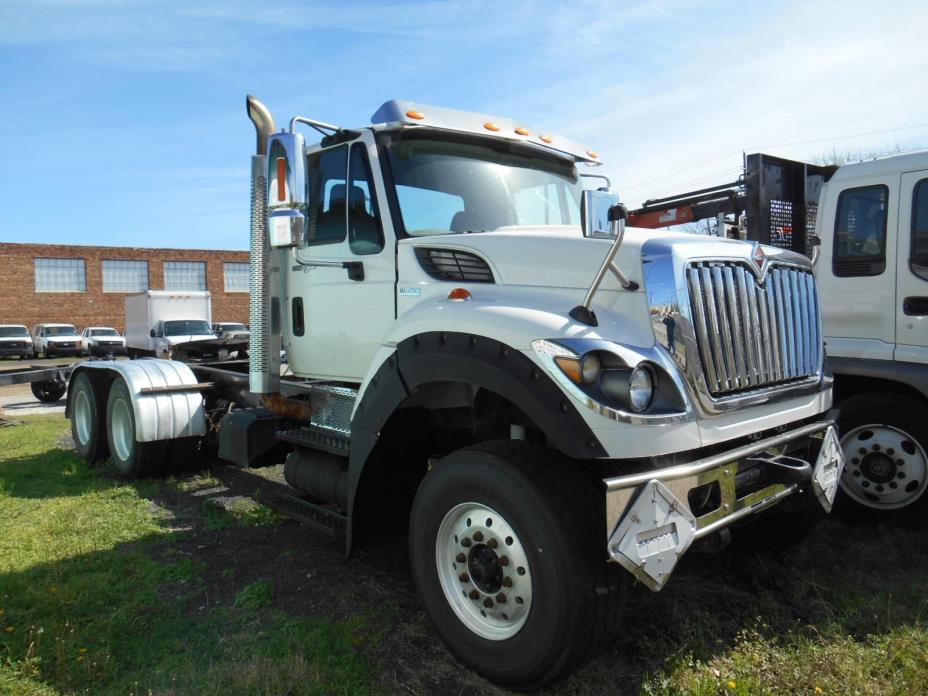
{"type": "Point", "coordinates": [309, 512]}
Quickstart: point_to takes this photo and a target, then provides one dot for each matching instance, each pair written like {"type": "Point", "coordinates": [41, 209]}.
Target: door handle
{"type": "Point", "coordinates": [355, 268]}
{"type": "Point", "coordinates": [915, 306]}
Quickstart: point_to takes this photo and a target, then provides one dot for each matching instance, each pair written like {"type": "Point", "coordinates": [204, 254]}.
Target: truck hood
{"type": "Point", "coordinates": [63, 339]}
{"type": "Point", "coordinates": [107, 339]}
{"type": "Point", "coordinates": [557, 256]}
{"type": "Point", "coordinates": [15, 339]}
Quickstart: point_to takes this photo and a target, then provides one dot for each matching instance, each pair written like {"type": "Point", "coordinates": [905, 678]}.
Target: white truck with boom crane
{"type": "Point", "coordinates": [481, 352]}
{"type": "Point", "coordinates": [865, 227]}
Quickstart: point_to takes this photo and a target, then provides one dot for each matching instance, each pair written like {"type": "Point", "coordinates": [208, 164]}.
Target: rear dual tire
{"type": "Point", "coordinates": [103, 425]}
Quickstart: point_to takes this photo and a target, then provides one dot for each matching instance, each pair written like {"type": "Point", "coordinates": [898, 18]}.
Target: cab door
{"type": "Point", "coordinates": [341, 284]}
{"type": "Point", "coordinates": [912, 276]}
{"type": "Point", "coordinates": [856, 272]}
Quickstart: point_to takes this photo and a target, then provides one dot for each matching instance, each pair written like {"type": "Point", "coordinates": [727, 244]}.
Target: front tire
{"type": "Point", "coordinates": [132, 459]}
{"type": "Point", "coordinates": [88, 422]}
{"type": "Point", "coordinates": [885, 443]}
{"type": "Point", "coordinates": [507, 551]}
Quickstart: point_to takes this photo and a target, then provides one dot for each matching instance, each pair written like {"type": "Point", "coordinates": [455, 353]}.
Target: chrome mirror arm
{"type": "Point", "coordinates": [584, 312]}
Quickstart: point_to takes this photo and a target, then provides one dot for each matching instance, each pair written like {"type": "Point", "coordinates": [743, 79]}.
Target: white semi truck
{"type": "Point", "coordinates": [480, 352]}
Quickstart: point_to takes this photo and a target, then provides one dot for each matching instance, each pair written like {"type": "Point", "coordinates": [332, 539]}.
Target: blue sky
{"type": "Point", "coordinates": [123, 122]}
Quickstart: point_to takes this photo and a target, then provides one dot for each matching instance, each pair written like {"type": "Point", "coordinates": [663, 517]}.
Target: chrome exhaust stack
{"type": "Point", "coordinates": [264, 346]}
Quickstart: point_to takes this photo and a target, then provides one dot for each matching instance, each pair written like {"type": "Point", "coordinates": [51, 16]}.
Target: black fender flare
{"type": "Point", "coordinates": [477, 360]}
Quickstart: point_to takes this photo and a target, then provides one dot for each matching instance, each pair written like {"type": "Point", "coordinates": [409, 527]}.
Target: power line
{"type": "Point", "coordinates": [774, 147]}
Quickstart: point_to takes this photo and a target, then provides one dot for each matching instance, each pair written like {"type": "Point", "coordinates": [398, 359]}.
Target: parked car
{"type": "Point", "coordinates": [56, 339]}
{"type": "Point", "coordinates": [102, 340]}
{"type": "Point", "coordinates": [15, 340]}
{"type": "Point", "coordinates": [231, 332]}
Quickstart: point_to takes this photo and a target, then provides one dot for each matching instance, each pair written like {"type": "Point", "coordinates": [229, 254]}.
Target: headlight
{"type": "Point", "coordinates": [640, 388]}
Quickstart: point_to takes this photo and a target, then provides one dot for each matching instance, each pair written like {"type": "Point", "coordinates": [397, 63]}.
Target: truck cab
{"type": "Point", "coordinates": [872, 270]}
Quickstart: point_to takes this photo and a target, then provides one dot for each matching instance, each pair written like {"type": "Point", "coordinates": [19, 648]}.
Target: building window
{"type": "Point", "coordinates": [236, 276]}
{"type": "Point", "coordinates": [185, 275]}
{"type": "Point", "coordinates": [60, 275]}
{"type": "Point", "coordinates": [125, 276]}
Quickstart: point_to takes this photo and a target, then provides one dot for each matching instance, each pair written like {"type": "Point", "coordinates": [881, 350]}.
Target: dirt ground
{"type": "Point", "coordinates": [313, 578]}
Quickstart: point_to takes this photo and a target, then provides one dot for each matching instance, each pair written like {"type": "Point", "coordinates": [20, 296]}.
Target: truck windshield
{"type": "Point", "coordinates": [232, 327]}
{"type": "Point", "coordinates": [103, 332]}
{"type": "Point", "coordinates": [186, 327]}
{"type": "Point", "coordinates": [60, 331]}
{"type": "Point", "coordinates": [8, 331]}
{"type": "Point", "coordinates": [463, 185]}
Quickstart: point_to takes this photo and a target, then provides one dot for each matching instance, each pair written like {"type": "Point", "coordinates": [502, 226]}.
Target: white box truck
{"type": "Point", "coordinates": [157, 321]}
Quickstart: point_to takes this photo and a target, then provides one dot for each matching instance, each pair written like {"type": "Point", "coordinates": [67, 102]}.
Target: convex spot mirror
{"type": "Point", "coordinates": [594, 213]}
{"type": "Point", "coordinates": [286, 189]}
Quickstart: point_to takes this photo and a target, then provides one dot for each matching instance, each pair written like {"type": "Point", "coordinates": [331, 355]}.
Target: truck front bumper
{"type": "Point", "coordinates": [653, 517]}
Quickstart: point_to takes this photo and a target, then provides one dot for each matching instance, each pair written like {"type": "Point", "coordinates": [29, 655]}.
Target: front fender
{"type": "Point", "coordinates": [158, 416]}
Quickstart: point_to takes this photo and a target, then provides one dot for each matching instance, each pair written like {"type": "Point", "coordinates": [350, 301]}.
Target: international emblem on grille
{"type": "Point", "coordinates": [759, 257]}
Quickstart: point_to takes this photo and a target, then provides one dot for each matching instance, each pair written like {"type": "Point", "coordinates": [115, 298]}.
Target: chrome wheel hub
{"type": "Point", "coordinates": [483, 571]}
{"type": "Point", "coordinates": [886, 467]}
{"type": "Point", "coordinates": [83, 418]}
{"type": "Point", "coordinates": [122, 429]}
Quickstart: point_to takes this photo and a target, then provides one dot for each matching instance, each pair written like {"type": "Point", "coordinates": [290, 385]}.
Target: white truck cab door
{"type": "Point", "coordinates": [341, 284]}
{"type": "Point", "coordinates": [856, 270]}
{"type": "Point", "coordinates": [912, 276]}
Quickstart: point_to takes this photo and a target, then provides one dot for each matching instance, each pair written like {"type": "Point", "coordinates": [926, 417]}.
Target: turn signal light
{"type": "Point", "coordinates": [417, 115]}
{"type": "Point", "coordinates": [459, 295]}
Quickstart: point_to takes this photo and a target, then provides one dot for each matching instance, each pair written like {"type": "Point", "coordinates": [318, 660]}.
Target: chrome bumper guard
{"type": "Point", "coordinates": [649, 518]}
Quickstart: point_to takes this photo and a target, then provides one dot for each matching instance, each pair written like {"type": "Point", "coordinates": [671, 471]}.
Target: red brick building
{"type": "Point", "coordinates": [87, 285]}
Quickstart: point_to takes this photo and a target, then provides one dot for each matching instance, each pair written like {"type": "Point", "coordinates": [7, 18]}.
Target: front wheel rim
{"type": "Point", "coordinates": [483, 571]}
{"type": "Point", "coordinates": [886, 467]}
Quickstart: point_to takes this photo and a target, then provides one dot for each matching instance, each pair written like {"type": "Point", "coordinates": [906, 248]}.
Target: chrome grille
{"type": "Point", "coordinates": [751, 336]}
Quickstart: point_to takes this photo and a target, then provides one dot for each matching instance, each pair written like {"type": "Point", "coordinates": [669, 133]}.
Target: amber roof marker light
{"type": "Point", "coordinates": [416, 115]}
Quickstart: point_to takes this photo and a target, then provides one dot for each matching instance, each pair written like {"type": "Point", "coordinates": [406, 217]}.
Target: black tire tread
{"type": "Point", "coordinates": [575, 497]}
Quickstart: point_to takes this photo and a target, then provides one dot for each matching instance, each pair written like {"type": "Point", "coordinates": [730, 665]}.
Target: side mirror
{"type": "Point", "coordinates": [286, 189]}
{"type": "Point", "coordinates": [595, 215]}
{"type": "Point", "coordinates": [152, 333]}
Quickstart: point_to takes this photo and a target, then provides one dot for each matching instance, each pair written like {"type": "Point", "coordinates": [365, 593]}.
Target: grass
{"type": "Point", "coordinates": [102, 590]}
{"type": "Point", "coordinates": [96, 597]}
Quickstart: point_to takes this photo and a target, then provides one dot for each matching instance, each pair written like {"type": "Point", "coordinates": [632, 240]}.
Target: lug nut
{"type": "Point", "coordinates": [465, 542]}
{"type": "Point", "coordinates": [501, 598]}
{"type": "Point", "coordinates": [460, 558]}
{"type": "Point", "coordinates": [463, 577]}
{"type": "Point", "coordinates": [488, 603]}
{"type": "Point", "coordinates": [504, 560]}
{"type": "Point", "coordinates": [492, 543]}
{"type": "Point", "coordinates": [478, 536]}
{"type": "Point", "coordinates": [507, 582]}
{"type": "Point", "coordinates": [474, 594]}
{"type": "Point", "coordinates": [901, 475]}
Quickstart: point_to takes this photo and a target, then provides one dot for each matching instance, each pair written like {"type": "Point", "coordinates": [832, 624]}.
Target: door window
{"type": "Point", "coordinates": [365, 234]}
{"type": "Point", "coordinates": [328, 204]}
{"type": "Point", "coordinates": [918, 259]}
{"type": "Point", "coordinates": [860, 232]}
